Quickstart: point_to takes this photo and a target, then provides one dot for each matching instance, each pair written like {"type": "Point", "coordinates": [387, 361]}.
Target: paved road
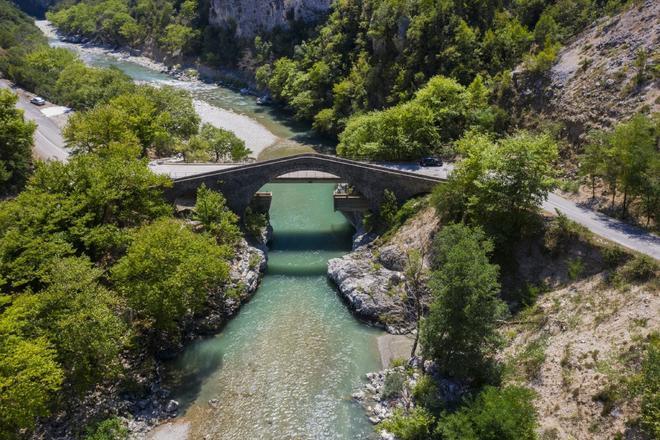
{"type": "Point", "coordinates": [49, 144]}
{"type": "Point", "coordinates": [48, 141]}
{"type": "Point", "coordinates": [608, 227]}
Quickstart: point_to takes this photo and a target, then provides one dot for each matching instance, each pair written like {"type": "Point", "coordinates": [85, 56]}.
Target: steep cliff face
{"type": "Point", "coordinates": [252, 16]}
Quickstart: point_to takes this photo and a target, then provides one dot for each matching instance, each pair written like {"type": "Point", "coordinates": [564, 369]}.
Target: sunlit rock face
{"type": "Point", "coordinates": [253, 16]}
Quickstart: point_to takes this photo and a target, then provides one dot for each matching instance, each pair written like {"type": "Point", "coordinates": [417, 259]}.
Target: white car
{"type": "Point", "coordinates": [38, 100]}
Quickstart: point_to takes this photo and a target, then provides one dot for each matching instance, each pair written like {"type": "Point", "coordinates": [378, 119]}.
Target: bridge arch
{"type": "Point", "coordinates": [239, 184]}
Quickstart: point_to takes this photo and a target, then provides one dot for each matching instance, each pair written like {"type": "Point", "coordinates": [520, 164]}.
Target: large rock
{"type": "Point", "coordinates": [373, 292]}
{"type": "Point", "coordinates": [371, 279]}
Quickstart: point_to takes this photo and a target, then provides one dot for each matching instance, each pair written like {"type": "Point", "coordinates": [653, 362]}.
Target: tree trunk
{"type": "Point", "coordinates": [624, 208]}
{"type": "Point", "coordinates": [593, 187]}
{"type": "Point", "coordinates": [419, 318]}
{"type": "Point", "coordinates": [613, 196]}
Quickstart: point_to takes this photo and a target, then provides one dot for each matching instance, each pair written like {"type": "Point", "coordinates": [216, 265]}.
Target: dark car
{"type": "Point", "coordinates": [38, 101]}
{"type": "Point", "coordinates": [430, 162]}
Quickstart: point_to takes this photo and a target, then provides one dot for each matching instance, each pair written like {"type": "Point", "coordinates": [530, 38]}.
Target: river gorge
{"type": "Point", "coordinates": [286, 365]}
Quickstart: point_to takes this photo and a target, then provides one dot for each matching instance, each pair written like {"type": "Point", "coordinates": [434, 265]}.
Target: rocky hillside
{"type": "Point", "coordinates": [253, 16]}
{"type": "Point", "coordinates": [601, 76]}
{"type": "Point", "coordinates": [579, 348]}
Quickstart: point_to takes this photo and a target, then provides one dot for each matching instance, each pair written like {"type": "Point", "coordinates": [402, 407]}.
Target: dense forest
{"type": "Point", "coordinates": [98, 276]}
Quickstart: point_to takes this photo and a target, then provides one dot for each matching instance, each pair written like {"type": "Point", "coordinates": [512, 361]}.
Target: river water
{"type": "Point", "coordinates": [285, 366]}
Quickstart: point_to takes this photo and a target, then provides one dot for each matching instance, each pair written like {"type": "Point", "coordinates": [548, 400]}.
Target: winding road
{"type": "Point", "coordinates": [49, 145]}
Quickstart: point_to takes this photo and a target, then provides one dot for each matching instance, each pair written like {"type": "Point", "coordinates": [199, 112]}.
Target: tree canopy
{"type": "Point", "coordinates": [15, 144]}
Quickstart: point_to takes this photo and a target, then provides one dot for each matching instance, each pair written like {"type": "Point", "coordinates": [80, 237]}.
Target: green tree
{"type": "Point", "coordinates": [211, 210]}
{"type": "Point", "coordinates": [83, 87]}
{"type": "Point", "coordinates": [633, 145]}
{"type": "Point", "coordinates": [77, 315]}
{"type": "Point", "coordinates": [154, 119]}
{"type": "Point", "coordinates": [459, 331]}
{"type": "Point", "coordinates": [84, 205]}
{"type": "Point", "coordinates": [168, 272]}
{"type": "Point", "coordinates": [15, 144]}
{"type": "Point", "coordinates": [224, 144]}
{"type": "Point", "coordinates": [499, 185]}
{"type": "Point", "coordinates": [29, 380]}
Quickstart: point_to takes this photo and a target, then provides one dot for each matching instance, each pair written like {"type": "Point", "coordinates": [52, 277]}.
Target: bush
{"type": "Point", "coordinates": [542, 62]}
{"type": "Point", "coordinates": [563, 232]}
{"type": "Point", "coordinates": [532, 358]}
{"type": "Point", "coordinates": [640, 268]}
{"type": "Point", "coordinates": [393, 385]}
{"type": "Point", "coordinates": [575, 268]}
{"type": "Point", "coordinates": [614, 256]}
{"type": "Point", "coordinates": [496, 414]}
{"type": "Point", "coordinates": [417, 425]}
{"type": "Point", "coordinates": [255, 222]}
{"type": "Point", "coordinates": [426, 394]}
{"type": "Point", "coordinates": [109, 429]}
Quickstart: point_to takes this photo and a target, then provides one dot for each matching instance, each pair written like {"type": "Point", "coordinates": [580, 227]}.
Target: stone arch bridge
{"type": "Point", "coordinates": [239, 184]}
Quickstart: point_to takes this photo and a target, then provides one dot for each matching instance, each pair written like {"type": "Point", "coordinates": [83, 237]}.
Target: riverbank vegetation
{"type": "Point", "coordinates": [97, 277]}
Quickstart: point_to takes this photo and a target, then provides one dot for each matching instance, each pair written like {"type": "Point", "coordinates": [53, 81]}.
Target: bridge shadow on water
{"type": "Point", "coordinates": [300, 241]}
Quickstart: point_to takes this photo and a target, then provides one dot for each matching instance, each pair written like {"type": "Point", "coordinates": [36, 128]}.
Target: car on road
{"type": "Point", "coordinates": [430, 162]}
{"type": "Point", "coordinates": [38, 100]}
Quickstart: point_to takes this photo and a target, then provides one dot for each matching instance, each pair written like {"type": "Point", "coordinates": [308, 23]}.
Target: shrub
{"type": "Point", "coordinates": [109, 429]}
{"type": "Point", "coordinates": [542, 62]}
{"type": "Point", "coordinates": [563, 232]}
{"type": "Point", "coordinates": [393, 385]}
{"type": "Point", "coordinates": [417, 425]}
{"type": "Point", "coordinates": [426, 394]}
{"type": "Point", "coordinates": [254, 222]}
{"type": "Point", "coordinates": [575, 268]}
{"type": "Point", "coordinates": [640, 268]}
{"type": "Point", "coordinates": [614, 256]}
{"type": "Point", "coordinates": [532, 358]}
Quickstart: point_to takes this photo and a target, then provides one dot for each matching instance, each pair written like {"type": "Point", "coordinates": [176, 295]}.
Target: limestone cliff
{"type": "Point", "coordinates": [253, 16]}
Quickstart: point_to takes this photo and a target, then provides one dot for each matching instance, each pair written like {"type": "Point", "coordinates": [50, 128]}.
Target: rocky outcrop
{"type": "Point", "coordinates": [253, 16]}
{"type": "Point", "coordinates": [597, 79]}
{"type": "Point", "coordinates": [371, 279]}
